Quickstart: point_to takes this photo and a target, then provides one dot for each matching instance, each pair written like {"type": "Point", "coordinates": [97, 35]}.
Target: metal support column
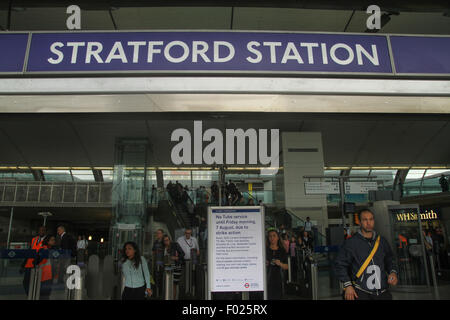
{"type": "Point", "coordinates": [433, 275]}
{"type": "Point", "coordinates": [314, 281]}
{"type": "Point", "coordinates": [342, 193]}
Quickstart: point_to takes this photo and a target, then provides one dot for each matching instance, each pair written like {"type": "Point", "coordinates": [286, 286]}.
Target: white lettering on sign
{"type": "Point", "coordinates": [178, 51]}
{"type": "Point", "coordinates": [413, 216]}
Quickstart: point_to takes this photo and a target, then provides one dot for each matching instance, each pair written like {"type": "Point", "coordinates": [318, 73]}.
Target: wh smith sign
{"type": "Point", "coordinates": [97, 52]}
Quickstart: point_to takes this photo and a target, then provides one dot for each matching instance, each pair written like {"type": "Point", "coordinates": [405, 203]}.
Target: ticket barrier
{"type": "Point", "coordinates": [302, 280]}
{"type": "Point", "coordinates": [168, 283]}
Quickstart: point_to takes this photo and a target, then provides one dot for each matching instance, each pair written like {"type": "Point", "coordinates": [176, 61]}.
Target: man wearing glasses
{"type": "Point", "coordinates": [188, 243]}
{"type": "Point", "coordinates": [190, 247]}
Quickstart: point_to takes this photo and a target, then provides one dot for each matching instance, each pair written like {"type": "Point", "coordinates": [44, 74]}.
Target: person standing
{"type": "Point", "coordinates": [36, 244]}
{"type": "Point", "coordinates": [308, 226]}
{"type": "Point", "coordinates": [68, 245]}
{"type": "Point", "coordinates": [158, 258]}
{"type": "Point", "coordinates": [307, 240]}
{"type": "Point", "coordinates": [444, 183]}
{"type": "Point", "coordinates": [277, 264]}
{"type": "Point", "coordinates": [82, 245]}
{"type": "Point", "coordinates": [365, 263]}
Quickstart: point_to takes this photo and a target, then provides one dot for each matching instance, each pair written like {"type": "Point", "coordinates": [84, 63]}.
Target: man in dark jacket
{"type": "Point", "coordinates": [69, 247]}
{"type": "Point", "coordinates": [373, 283]}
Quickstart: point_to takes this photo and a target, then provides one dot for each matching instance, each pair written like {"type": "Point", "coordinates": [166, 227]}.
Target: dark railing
{"type": "Point", "coordinates": [55, 192]}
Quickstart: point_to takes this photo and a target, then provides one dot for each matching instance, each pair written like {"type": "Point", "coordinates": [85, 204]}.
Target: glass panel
{"type": "Point", "coordinates": [385, 178]}
{"type": "Point", "coordinates": [414, 174]}
{"type": "Point", "coordinates": [407, 246]}
{"type": "Point", "coordinates": [57, 175]}
{"type": "Point", "coordinates": [357, 172]}
{"type": "Point", "coordinates": [23, 176]}
{"type": "Point", "coordinates": [107, 175]}
{"type": "Point", "coordinates": [432, 172]}
{"type": "Point", "coordinates": [183, 177]}
{"type": "Point", "coordinates": [332, 172]}
{"type": "Point", "coordinates": [83, 175]}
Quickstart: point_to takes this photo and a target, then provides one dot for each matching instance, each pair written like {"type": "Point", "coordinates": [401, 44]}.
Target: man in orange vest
{"type": "Point", "coordinates": [46, 267]}
{"type": "Point", "coordinates": [36, 244]}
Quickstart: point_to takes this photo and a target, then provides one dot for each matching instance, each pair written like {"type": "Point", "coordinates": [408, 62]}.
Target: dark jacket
{"type": "Point", "coordinates": [67, 242]}
{"type": "Point", "coordinates": [175, 250]}
{"type": "Point", "coordinates": [352, 256]}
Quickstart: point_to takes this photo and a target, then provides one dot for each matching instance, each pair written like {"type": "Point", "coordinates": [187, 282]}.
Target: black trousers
{"type": "Point", "coordinates": [133, 293]}
{"type": "Point", "coordinates": [367, 296]}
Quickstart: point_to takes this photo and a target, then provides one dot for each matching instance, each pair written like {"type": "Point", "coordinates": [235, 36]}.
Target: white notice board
{"type": "Point", "coordinates": [317, 187]}
{"type": "Point", "coordinates": [236, 249]}
{"type": "Point", "coordinates": [360, 187]}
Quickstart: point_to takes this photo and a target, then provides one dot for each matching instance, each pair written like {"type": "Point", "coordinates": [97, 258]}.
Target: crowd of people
{"type": "Point", "coordinates": [179, 194]}
{"type": "Point", "coordinates": [173, 254]}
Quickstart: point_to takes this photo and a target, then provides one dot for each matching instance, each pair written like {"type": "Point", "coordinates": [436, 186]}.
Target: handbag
{"type": "Point", "coordinates": [147, 297]}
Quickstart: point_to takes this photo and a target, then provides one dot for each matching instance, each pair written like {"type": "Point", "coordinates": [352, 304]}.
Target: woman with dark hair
{"type": "Point", "coordinates": [136, 274]}
{"type": "Point", "coordinates": [174, 256]}
{"type": "Point", "coordinates": [276, 261]}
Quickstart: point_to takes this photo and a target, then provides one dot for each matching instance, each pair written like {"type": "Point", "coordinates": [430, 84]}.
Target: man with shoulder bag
{"type": "Point", "coordinates": [365, 263]}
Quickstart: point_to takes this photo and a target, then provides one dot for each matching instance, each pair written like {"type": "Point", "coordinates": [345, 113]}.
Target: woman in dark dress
{"type": "Point", "coordinates": [277, 264]}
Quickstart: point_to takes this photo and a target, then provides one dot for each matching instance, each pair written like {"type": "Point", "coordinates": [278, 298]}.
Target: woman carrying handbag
{"type": "Point", "coordinates": [135, 272]}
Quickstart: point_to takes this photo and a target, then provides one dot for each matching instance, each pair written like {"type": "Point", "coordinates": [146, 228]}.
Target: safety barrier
{"type": "Point", "coordinates": [55, 192]}
{"type": "Point", "coordinates": [35, 284]}
{"type": "Point", "coordinates": [168, 283]}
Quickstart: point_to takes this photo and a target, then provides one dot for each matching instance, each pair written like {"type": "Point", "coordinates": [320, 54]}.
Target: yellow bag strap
{"type": "Point", "coordinates": [372, 253]}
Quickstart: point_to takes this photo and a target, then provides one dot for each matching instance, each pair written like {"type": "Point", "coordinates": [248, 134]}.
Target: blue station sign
{"type": "Point", "coordinates": [222, 52]}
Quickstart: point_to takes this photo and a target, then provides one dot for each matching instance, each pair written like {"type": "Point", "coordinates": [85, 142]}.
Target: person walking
{"type": "Point", "coordinates": [277, 264]}
{"type": "Point", "coordinates": [365, 263]}
{"type": "Point", "coordinates": [135, 272]}
{"type": "Point", "coordinates": [158, 262]}
{"type": "Point", "coordinates": [174, 256]}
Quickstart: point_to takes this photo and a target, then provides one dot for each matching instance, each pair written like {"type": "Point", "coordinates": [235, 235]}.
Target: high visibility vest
{"type": "Point", "coordinates": [46, 268]}
{"type": "Point", "coordinates": [35, 245]}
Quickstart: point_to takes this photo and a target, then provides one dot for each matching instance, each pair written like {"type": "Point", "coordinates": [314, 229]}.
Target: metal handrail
{"type": "Point", "coordinates": [25, 195]}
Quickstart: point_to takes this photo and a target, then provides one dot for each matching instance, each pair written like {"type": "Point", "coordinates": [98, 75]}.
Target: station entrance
{"type": "Point", "coordinates": [138, 200]}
